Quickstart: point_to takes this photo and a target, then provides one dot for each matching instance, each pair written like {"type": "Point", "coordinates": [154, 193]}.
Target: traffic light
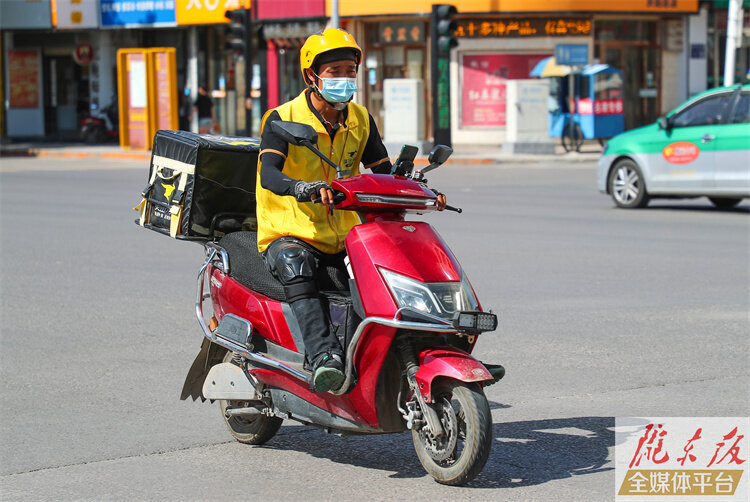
{"type": "Point", "coordinates": [237, 30]}
{"type": "Point", "coordinates": [445, 26]}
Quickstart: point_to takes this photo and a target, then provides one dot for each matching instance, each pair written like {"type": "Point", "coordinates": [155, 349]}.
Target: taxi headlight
{"type": "Point", "coordinates": [440, 299]}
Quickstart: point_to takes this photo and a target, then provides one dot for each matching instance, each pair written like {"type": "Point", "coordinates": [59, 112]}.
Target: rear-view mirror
{"type": "Point", "coordinates": [439, 154]}
{"type": "Point", "coordinates": [294, 132]}
{"type": "Point", "coordinates": [664, 123]}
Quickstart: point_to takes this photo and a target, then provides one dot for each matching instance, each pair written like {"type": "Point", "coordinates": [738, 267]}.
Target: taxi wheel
{"type": "Point", "coordinates": [626, 185]}
{"type": "Point", "coordinates": [724, 202]}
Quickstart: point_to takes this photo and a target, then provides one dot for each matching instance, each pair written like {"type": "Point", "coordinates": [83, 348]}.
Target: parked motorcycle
{"type": "Point", "coordinates": [407, 318]}
{"type": "Point", "coordinates": [102, 125]}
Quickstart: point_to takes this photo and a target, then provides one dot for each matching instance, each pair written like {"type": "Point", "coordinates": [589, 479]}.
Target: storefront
{"type": "Point", "coordinates": [394, 48]}
{"type": "Point", "coordinates": [501, 41]}
{"type": "Point", "coordinates": [283, 43]}
{"type": "Point", "coordinates": [494, 49]}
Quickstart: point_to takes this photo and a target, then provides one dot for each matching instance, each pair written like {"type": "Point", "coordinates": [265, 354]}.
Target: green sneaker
{"type": "Point", "coordinates": [329, 374]}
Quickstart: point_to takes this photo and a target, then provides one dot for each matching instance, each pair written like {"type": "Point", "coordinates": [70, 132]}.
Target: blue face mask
{"type": "Point", "coordinates": [338, 89]}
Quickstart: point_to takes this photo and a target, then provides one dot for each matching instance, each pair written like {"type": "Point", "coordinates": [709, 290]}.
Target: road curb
{"type": "Point", "coordinates": [145, 156]}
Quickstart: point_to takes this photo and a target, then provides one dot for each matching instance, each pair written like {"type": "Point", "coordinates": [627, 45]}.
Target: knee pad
{"type": "Point", "coordinates": [295, 267]}
{"type": "Point", "coordinates": [295, 264]}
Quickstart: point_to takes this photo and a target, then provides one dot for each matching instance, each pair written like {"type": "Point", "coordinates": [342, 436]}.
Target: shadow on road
{"type": "Point", "coordinates": [534, 452]}
{"type": "Point", "coordinates": [524, 453]}
{"type": "Point", "coordinates": [742, 209]}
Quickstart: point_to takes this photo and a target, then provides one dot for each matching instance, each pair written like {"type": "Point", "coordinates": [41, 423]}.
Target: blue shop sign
{"type": "Point", "coordinates": [572, 54]}
{"type": "Point", "coordinates": [138, 12]}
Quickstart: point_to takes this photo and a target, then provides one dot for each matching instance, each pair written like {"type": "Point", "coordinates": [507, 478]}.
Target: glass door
{"type": "Point", "coordinates": [641, 80]}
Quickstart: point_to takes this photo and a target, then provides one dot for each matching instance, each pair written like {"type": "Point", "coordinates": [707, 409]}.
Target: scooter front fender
{"type": "Point", "coordinates": [449, 363]}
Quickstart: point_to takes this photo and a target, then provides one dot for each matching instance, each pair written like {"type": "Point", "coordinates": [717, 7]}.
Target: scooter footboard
{"type": "Point", "coordinates": [450, 363]}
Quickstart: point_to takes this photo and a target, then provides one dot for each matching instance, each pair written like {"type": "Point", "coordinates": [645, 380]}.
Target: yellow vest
{"type": "Point", "coordinates": [279, 216]}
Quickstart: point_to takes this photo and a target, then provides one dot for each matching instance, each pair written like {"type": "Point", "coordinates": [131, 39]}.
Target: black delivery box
{"type": "Point", "coordinates": [196, 181]}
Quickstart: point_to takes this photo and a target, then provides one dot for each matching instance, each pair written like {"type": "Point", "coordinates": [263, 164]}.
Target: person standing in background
{"type": "Point", "coordinates": [205, 109]}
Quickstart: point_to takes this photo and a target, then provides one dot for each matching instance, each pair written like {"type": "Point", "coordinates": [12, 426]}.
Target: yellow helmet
{"type": "Point", "coordinates": [324, 41]}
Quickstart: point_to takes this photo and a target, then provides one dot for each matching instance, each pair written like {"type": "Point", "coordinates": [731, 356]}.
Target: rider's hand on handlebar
{"type": "Point", "coordinates": [326, 196]}
{"type": "Point", "coordinates": [308, 191]}
{"type": "Point", "coordinates": [441, 201]}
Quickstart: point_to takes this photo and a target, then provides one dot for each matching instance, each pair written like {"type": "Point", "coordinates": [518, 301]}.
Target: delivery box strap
{"type": "Point", "coordinates": [160, 162]}
{"type": "Point", "coordinates": [176, 208]}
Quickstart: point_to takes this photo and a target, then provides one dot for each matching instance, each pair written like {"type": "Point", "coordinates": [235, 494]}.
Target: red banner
{"type": "Point", "coordinates": [23, 72]}
{"type": "Point", "coordinates": [483, 85]}
{"type": "Point", "coordinates": [600, 107]}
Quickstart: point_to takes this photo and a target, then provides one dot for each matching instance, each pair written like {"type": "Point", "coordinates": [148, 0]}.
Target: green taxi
{"type": "Point", "coordinates": [701, 148]}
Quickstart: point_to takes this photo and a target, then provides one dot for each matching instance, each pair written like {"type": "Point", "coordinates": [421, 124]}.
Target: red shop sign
{"type": "Point", "coordinates": [83, 54]}
{"type": "Point", "coordinates": [483, 85]}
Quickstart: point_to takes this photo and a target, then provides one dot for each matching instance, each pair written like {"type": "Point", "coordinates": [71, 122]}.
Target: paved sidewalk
{"type": "Point", "coordinates": [463, 154]}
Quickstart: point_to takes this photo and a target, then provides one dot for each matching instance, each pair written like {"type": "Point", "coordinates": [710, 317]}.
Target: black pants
{"type": "Point", "coordinates": [303, 270]}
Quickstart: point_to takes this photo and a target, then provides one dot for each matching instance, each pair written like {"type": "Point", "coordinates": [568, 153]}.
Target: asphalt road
{"type": "Point", "coordinates": [603, 313]}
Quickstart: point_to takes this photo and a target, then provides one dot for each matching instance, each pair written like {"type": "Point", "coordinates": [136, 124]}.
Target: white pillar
{"type": "Point", "coordinates": [102, 88]}
{"type": "Point", "coordinates": [698, 62]}
{"type": "Point", "coordinates": [734, 39]}
{"type": "Point", "coordinates": [192, 73]}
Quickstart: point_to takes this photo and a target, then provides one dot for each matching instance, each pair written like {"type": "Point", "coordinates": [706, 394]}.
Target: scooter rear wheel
{"type": "Point", "coordinates": [459, 455]}
{"type": "Point", "coordinates": [256, 430]}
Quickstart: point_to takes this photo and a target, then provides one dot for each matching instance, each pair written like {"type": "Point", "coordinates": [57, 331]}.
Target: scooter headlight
{"type": "Point", "coordinates": [440, 299]}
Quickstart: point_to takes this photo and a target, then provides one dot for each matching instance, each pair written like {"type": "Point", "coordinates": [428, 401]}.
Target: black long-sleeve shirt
{"type": "Point", "coordinates": [375, 155]}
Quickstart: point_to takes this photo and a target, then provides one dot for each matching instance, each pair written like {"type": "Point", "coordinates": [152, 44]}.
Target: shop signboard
{"type": "Point", "coordinates": [117, 13]}
{"type": "Point", "coordinates": [25, 113]}
{"type": "Point", "coordinates": [25, 14]}
{"type": "Point", "coordinates": [351, 8]}
{"type": "Point", "coordinates": [401, 32]}
{"type": "Point", "coordinates": [206, 11]}
{"type": "Point", "coordinates": [572, 54]}
{"type": "Point", "coordinates": [511, 27]}
{"type": "Point", "coordinates": [23, 77]}
{"type": "Point", "coordinates": [75, 14]}
{"type": "Point", "coordinates": [483, 77]}
{"type": "Point", "coordinates": [83, 54]}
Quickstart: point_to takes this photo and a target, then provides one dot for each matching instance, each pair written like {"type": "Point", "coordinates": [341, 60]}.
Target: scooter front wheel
{"type": "Point", "coordinates": [458, 456]}
{"type": "Point", "coordinates": [249, 430]}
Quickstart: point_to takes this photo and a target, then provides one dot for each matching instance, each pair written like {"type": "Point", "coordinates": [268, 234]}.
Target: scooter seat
{"type": "Point", "coordinates": [247, 266]}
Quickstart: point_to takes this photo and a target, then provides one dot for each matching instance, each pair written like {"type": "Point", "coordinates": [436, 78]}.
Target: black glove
{"type": "Point", "coordinates": [303, 190]}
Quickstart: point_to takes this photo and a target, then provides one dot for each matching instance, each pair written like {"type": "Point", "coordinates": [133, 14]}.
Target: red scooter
{"type": "Point", "coordinates": [407, 318]}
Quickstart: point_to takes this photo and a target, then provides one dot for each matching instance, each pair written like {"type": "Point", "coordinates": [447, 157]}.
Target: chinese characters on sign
{"type": "Point", "coordinates": [682, 456]}
{"type": "Point", "coordinates": [483, 79]}
{"type": "Point", "coordinates": [508, 27]}
{"type": "Point", "coordinates": [588, 106]}
{"type": "Point", "coordinates": [137, 12]}
{"type": "Point", "coordinates": [400, 32]}
{"type": "Point", "coordinates": [23, 73]}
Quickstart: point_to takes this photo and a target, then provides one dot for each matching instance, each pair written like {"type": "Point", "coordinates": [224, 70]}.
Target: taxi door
{"type": "Point", "coordinates": [732, 145]}
{"type": "Point", "coordinates": [685, 153]}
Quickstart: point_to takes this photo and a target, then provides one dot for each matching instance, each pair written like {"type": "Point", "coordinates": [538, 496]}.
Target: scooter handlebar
{"type": "Point", "coordinates": [338, 197]}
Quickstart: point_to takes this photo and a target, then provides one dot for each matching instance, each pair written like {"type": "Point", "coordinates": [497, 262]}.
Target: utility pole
{"type": "Point", "coordinates": [734, 39]}
{"type": "Point", "coordinates": [335, 14]}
